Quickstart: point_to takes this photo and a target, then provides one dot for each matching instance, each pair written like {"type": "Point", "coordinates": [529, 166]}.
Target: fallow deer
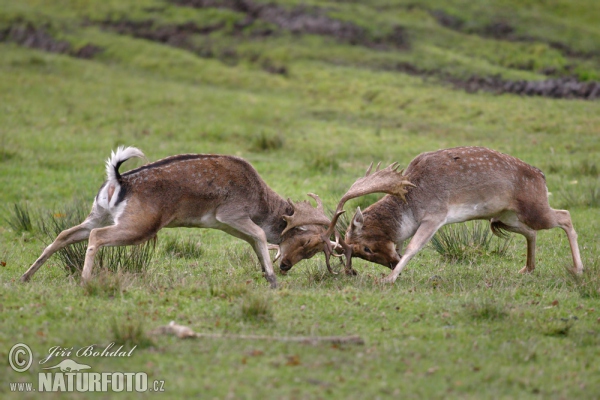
{"type": "Point", "coordinates": [444, 187]}
{"type": "Point", "coordinates": [194, 190]}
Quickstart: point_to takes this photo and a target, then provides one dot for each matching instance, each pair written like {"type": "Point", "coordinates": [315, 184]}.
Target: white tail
{"type": "Point", "coordinates": [448, 186]}
{"type": "Point", "coordinates": [194, 190]}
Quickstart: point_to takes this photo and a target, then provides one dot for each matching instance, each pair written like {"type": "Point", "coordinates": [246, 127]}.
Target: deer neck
{"type": "Point", "coordinates": [271, 220]}
{"type": "Point", "coordinates": [392, 217]}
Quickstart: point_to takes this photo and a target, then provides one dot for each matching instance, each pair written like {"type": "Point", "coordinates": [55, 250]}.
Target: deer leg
{"type": "Point", "coordinates": [69, 236]}
{"type": "Point", "coordinates": [563, 220]}
{"type": "Point", "coordinates": [115, 235]}
{"type": "Point", "coordinates": [248, 231]}
{"type": "Point", "coordinates": [422, 236]}
{"type": "Point", "coordinates": [512, 224]}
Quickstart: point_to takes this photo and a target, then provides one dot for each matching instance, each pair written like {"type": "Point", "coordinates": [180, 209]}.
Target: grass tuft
{"type": "Point", "coordinates": [486, 309]}
{"type": "Point", "coordinates": [557, 326]}
{"type": "Point", "coordinates": [19, 218]}
{"type": "Point", "coordinates": [227, 291]}
{"type": "Point", "coordinates": [267, 142]}
{"type": "Point", "coordinates": [588, 283]}
{"type": "Point", "coordinates": [179, 247]}
{"type": "Point", "coordinates": [256, 307]}
{"type": "Point", "coordinates": [130, 333]}
{"type": "Point", "coordinates": [106, 284]}
{"type": "Point", "coordinates": [460, 242]}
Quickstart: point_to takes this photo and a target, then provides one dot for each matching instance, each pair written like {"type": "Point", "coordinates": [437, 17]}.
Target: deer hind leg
{"type": "Point", "coordinates": [123, 234]}
{"type": "Point", "coordinates": [67, 237]}
{"type": "Point", "coordinates": [421, 237]}
{"type": "Point", "coordinates": [512, 224]}
{"type": "Point", "coordinates": [243, 228]}
{"type": "Point", "coordinates": [563, 220]}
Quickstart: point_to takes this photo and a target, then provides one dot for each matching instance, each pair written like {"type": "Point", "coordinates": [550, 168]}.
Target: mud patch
{"type": "Point", "coordinates": [561, 88]}
{"type": "Point", "coordinates": [28, 35]}
{"type": "Point", "coordinates": [305, 20]}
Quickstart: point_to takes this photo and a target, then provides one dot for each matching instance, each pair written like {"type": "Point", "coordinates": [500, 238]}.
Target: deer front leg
{"type": "Point", "coordinates": [423, 235]}
{"type": "Point", "coordinates": [245, 229]}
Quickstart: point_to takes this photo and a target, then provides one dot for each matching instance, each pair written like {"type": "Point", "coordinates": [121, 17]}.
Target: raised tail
{"type": "Point", "coordinates": [117, 158]}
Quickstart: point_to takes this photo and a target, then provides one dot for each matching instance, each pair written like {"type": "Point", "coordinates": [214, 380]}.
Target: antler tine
{"type": "Point", "coordinates": [305, 214]}
{"type": "Point", "coordinates": [369, 169]}
{"type": "Point", "coordinates": [318, 200]}
{"type": "Point", "coordinates": [377, 167]}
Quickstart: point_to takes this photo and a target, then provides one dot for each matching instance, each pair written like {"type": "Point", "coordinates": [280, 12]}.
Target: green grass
{"type": "Point", "coordinates": [474, 329]}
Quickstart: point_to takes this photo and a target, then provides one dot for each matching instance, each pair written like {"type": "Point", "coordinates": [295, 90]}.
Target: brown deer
{"type": "Point", "coordinates": [194, 190]}
{"type": "Point", "coordinates": [444, 187]}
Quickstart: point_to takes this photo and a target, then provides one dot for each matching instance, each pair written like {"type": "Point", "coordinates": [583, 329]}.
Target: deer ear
{"type": "Point", "coordinates": [357, 220]}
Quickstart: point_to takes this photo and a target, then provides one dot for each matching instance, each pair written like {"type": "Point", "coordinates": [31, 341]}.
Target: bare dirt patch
{"type": "Point", "coordinates": [305, 20]}
{"type": "Point", "coordinates": [28, 35]}
{"type": "Point", "coordinates": [560, 88]}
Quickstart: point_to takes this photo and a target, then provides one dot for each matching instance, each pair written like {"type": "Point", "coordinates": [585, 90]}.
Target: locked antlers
{"type": "Point", "coordinates": [388, 180]}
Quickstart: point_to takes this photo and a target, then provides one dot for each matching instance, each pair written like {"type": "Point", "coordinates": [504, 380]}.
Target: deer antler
{"type": "Point", "coordinates": [388, 180]}
{"type": "Point", "coordinates": [306, 214]}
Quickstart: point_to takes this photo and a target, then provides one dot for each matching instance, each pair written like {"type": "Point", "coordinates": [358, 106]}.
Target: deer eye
{"type": "Point", "coordinates": [367, 250]}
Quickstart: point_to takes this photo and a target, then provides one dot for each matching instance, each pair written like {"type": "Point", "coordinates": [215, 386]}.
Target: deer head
{"type": "Point", "coordinates": [302, 237]}
{"type": "Point", "coordinates": [372, 245]}
{"type": "Point", "coordinates": [388, 180]}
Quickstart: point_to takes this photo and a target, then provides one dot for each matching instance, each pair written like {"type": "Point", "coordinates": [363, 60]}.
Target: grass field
{"type": "Point", "coordinates": [310, 110]}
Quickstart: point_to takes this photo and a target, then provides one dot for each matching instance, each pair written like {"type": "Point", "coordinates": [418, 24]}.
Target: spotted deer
{"type": "Point", "coordinates": [444, 187]}
{"type": "Point", "coordinates": [194, 190]}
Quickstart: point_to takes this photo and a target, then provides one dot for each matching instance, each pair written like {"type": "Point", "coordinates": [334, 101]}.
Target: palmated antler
{"type": "Point", "coordinates": [306, 214]}
{"type": "Point", "coordinates": [388, 180]}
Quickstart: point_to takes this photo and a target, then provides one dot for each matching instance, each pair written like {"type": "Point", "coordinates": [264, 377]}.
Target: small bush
{"type": "Point", "coordinates": [19, 218]}
{"type": "Point", "coordinates": [459, 242]}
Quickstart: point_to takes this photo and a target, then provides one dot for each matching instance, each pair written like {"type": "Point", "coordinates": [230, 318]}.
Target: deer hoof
{"type": "Point", "coordinates": [526, 270]}
{"type": "Point", "coordinates": [272, 280]}
{"type": "Point", "coordinates": [351, 272]}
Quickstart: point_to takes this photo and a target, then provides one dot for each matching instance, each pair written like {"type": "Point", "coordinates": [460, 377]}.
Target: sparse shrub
{"type": "Point", "coordinates": [179, 247]}
{"type": "Point", "coordinates": [486, 309]}
{"type": "Point", "coordinates": [267, 142]}
{"type": "Point", "coordinates": [459, 242]}
{"type": "Point", "coordinates": [72, 258]}
{"type": "Point", "coordinates": [130, 333]}
{"type": "Point", "coordinates": [133, 259]}
{"type": "Point", "coordinates": [256, 307]}
{"type": "Point", "coordinates": [19, 218]}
